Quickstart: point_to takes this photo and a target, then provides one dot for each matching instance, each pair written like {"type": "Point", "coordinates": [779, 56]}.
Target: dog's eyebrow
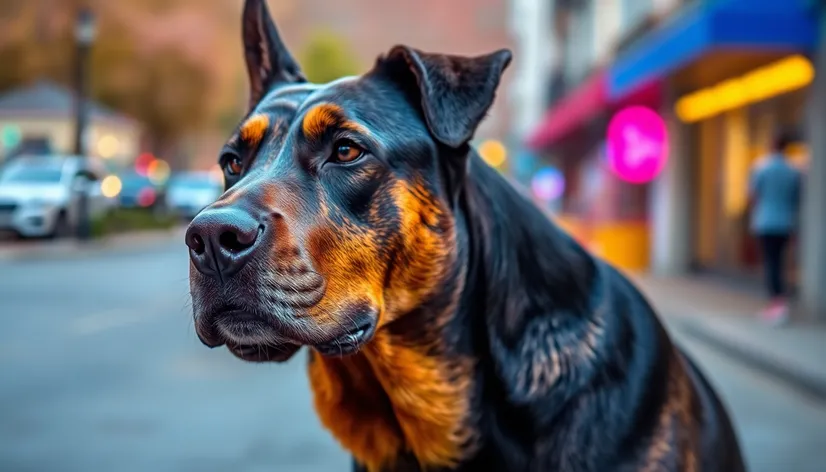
{"type": "Point", "coordinates": [327, 115]}
{"type": "Point", "coordinates": [254, 128]}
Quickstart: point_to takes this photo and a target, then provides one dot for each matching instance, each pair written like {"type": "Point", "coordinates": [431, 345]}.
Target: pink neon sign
{"type": "Point", "coordinates": [637, 148]}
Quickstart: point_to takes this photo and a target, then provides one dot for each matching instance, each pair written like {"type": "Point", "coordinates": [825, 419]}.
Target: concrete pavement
{"type": "Point", "coordinates": [724, 317]}
{"type": "Point", "coordinates": [53, 249]}
{"type": "Point", "coordinates": [101, 370]}
{"type": "Point", "coordinates": [780, 429]}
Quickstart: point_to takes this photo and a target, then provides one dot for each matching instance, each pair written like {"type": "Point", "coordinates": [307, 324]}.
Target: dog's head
{"type": "Point", "coordinates": [338, 215]}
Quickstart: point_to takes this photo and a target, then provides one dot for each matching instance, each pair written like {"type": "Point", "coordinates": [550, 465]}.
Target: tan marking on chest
{"type": "Point", "coordinates": [390, 399]}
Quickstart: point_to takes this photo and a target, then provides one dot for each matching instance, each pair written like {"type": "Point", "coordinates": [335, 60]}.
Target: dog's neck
{"type": "Point", "coordinates": [519, 259]}
{"type": "Point", "coordinates": [413, 388]}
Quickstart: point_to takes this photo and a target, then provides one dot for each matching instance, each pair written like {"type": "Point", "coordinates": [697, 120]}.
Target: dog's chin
{"type": "Point", "coordinates": [263, 352]}
{"type": "Point", "coordinates": [254, 338]}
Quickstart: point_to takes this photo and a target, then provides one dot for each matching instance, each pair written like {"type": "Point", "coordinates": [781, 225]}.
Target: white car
{"type": "Point", "coordinates": [39, 194]}
{"type": "Point", "coordinates": [189, 192]}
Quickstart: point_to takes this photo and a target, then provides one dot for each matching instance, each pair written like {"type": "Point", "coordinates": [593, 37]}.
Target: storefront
{"type": "Point", "coordinates": [731, 84]}
{"type": "Point", "coordinates": [602, 209]}
{"type": "Point", "coordinates": [727, 145]}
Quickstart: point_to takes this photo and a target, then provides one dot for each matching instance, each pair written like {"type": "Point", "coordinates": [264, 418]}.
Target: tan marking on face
{"type": "Point", "coordinates": [252, 131]}
{"type": "Point", "coordinates": [324, 116]}
{"type": "Point", "coordinates": [346, 256]}
{"type": "Point", "coordinates": [395, 395]}
{"type": "Point", "coordinates": [319, 118]}
{"type": "Point", "coordinates": [426, 253]}
{"type": "Point", "coordinates": [353, 126]}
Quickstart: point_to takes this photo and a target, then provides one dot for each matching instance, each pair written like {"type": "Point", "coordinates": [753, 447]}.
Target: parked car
{"type": "Point", "coordinates": [39, 194]}
{"type": "Point", "coordinates": [189, 192]}
{"type": "Point", "coordinates": [138, 191]}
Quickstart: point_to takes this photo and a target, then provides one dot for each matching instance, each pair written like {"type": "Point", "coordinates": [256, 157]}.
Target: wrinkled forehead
{"type": "Point", "coordinates": [359, 103]}
{"type": "Point", "coordinates": [273, 115]}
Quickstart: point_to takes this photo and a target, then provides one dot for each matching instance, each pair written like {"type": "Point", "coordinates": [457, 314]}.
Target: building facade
{"type": "Point", "coordinates": [607, 214]}
{"type": "Point", "coordinates": [45, 112]}
{"type": "Point", "coordinates": [372, 27]}
{"type": "Point", "coordinates": [723, 84]}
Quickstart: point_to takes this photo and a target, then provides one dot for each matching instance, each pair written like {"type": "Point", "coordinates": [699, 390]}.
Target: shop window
{"type": "Point", "coordinates": [592, 192]}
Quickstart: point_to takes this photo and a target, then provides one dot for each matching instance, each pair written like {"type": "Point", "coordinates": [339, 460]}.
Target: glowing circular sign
{"type": "Point", "coordinates": [637, 144]}
{"type": "Point", "coordinates": [548, 184]}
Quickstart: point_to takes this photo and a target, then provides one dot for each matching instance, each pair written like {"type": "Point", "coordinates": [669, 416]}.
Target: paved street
{"type": "Point", "coordinates": [780, 429]}
{"type": "Point", "coordinates": [100, 370]}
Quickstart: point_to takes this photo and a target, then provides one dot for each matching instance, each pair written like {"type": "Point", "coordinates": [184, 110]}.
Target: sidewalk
{"type": "Point", "coordinates": [724, 318]}
{"type": "Point", "coordinates": [34, 250]}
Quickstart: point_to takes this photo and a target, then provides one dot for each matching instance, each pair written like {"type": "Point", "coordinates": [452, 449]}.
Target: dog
{"type": "Point", "coordinates": [450, 324]}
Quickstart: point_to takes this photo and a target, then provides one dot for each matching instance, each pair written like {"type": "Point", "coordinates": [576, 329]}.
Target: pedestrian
{"type": "Point", "coordinates": [775, 189]}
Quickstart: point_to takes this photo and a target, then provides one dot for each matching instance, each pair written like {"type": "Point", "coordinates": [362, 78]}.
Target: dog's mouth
{"type": "Point", "coordinates": [349, 342]}
{"type": "Point", "coordinates": [255, 337]}
{"type": "Point", "coordinates": [262, 352]}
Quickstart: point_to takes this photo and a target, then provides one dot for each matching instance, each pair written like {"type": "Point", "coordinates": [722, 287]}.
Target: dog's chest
{"type": "Point", "coordinates": [390, 399]}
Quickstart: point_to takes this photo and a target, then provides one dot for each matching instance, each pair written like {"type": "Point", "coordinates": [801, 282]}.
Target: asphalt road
{"type": "Point", "coordinates": [100, 370]}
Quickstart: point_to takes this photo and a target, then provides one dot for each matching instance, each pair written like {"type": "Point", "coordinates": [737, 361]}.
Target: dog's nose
{"type": "Point", "coordinates": [222, 240]}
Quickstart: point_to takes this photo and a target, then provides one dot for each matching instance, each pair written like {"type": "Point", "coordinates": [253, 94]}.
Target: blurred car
{"type": "Point", "coordinates": [138, 191]}
{"type": "Point", "coordinates": [189, 192]}
{"type": "Point", "coordinates": [39, 194]}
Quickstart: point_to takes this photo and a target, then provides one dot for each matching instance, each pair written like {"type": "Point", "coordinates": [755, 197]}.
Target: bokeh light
{"type": "Point", "coordinates": [760, 84]}
{"type": "Point", "coordinates": [146, 197]}
{"type": "Point", "coordinates": [111, 186]}
{"type": "Point", "coordinates": [637, 144]}
{"type": "Point", "coordinates": [493, 152]}
{"type": "Point", "coordinates": [548, 184]}
{"type": "Point", "coordinates": [142, 163]}
{"type": "Point", "coordinates": [10, 136]}
{"type": "Point", "coordinates": [158, 171]}
{"type": "Point", "coordinates": [108, 146]}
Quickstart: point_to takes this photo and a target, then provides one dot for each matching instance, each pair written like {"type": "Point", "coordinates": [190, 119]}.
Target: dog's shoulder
{"type": "Point", "coordinates": [579, 358]}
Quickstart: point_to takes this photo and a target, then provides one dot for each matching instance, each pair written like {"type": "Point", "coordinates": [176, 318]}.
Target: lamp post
{"type": "Point", "coordinates": [85, 31]}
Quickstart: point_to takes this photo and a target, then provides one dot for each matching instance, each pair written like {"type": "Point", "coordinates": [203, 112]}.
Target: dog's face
{"type": "Point", "coordinates": [338, 213]}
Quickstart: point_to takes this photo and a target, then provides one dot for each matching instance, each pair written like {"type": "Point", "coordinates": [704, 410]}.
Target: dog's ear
{"type": "Point", "coordinates": [456, 91]}
{"type": "Point", "coordinates": [268, 61]}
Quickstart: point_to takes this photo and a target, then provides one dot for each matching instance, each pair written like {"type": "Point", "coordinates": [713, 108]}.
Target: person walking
{"type": "Point", "coordinates": [775, 193]}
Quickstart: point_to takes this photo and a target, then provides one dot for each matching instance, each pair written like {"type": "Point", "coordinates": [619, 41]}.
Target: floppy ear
{"type": "Point", "coordinates": [268, 61]}
{"type": "Point", "coordinates": [456, 91]}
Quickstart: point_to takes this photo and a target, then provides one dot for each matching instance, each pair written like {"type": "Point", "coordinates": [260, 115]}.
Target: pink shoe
{"type": "Point", "coordinates": [777, 313]}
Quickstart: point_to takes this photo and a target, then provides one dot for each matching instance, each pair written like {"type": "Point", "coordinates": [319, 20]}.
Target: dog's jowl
{"type": "Point", "coordinates": [450, 325]}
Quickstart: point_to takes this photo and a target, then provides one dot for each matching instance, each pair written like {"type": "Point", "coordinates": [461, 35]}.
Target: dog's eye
{"type": "Point", "coordinates": [347, 151]}
{"type": "Point", "coordinates": [234, 165]}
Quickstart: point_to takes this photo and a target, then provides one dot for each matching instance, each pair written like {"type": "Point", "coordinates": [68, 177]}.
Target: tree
{"type": "Point", "coordinates": [164, 90]}
{"type": "Point", "coordinates": [327, 57]}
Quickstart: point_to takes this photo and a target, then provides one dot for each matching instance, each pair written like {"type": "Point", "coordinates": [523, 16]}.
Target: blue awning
{"type": "Point", "coordinates": [739, 25]}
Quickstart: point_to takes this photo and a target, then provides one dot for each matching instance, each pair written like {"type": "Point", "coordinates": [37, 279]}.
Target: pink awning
{"type": "Point", "coordinates": [574, 110]}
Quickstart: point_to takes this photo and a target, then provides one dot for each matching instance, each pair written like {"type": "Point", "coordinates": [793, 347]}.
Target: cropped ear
{"type": "Point", "coordinates": [456, 91]}
{"type": "Point", "coordinates": [268, 61]}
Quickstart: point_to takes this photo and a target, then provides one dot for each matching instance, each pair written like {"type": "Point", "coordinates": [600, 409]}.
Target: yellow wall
{"type": "Point", "coordinates": [624, 244]}
{"type": "Point", "coordinates": [706, 193]}
{"type": "Point", "coordinates": [737, 162]}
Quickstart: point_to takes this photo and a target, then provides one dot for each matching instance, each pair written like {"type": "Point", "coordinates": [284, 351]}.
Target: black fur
{"type": "Point", "coordinates": [574, 370]}
{"type": "Point", "coordinates": [533, 291]}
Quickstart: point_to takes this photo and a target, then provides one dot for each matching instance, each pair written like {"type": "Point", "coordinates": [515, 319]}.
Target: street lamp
{"type": "Point", "coordinates": [85, 32]}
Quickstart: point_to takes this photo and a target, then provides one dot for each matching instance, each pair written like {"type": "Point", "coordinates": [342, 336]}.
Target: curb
{"type": "Point", "coordinates": [795, 378]}
{"type": "Point", "coordinates": [69, 249]}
